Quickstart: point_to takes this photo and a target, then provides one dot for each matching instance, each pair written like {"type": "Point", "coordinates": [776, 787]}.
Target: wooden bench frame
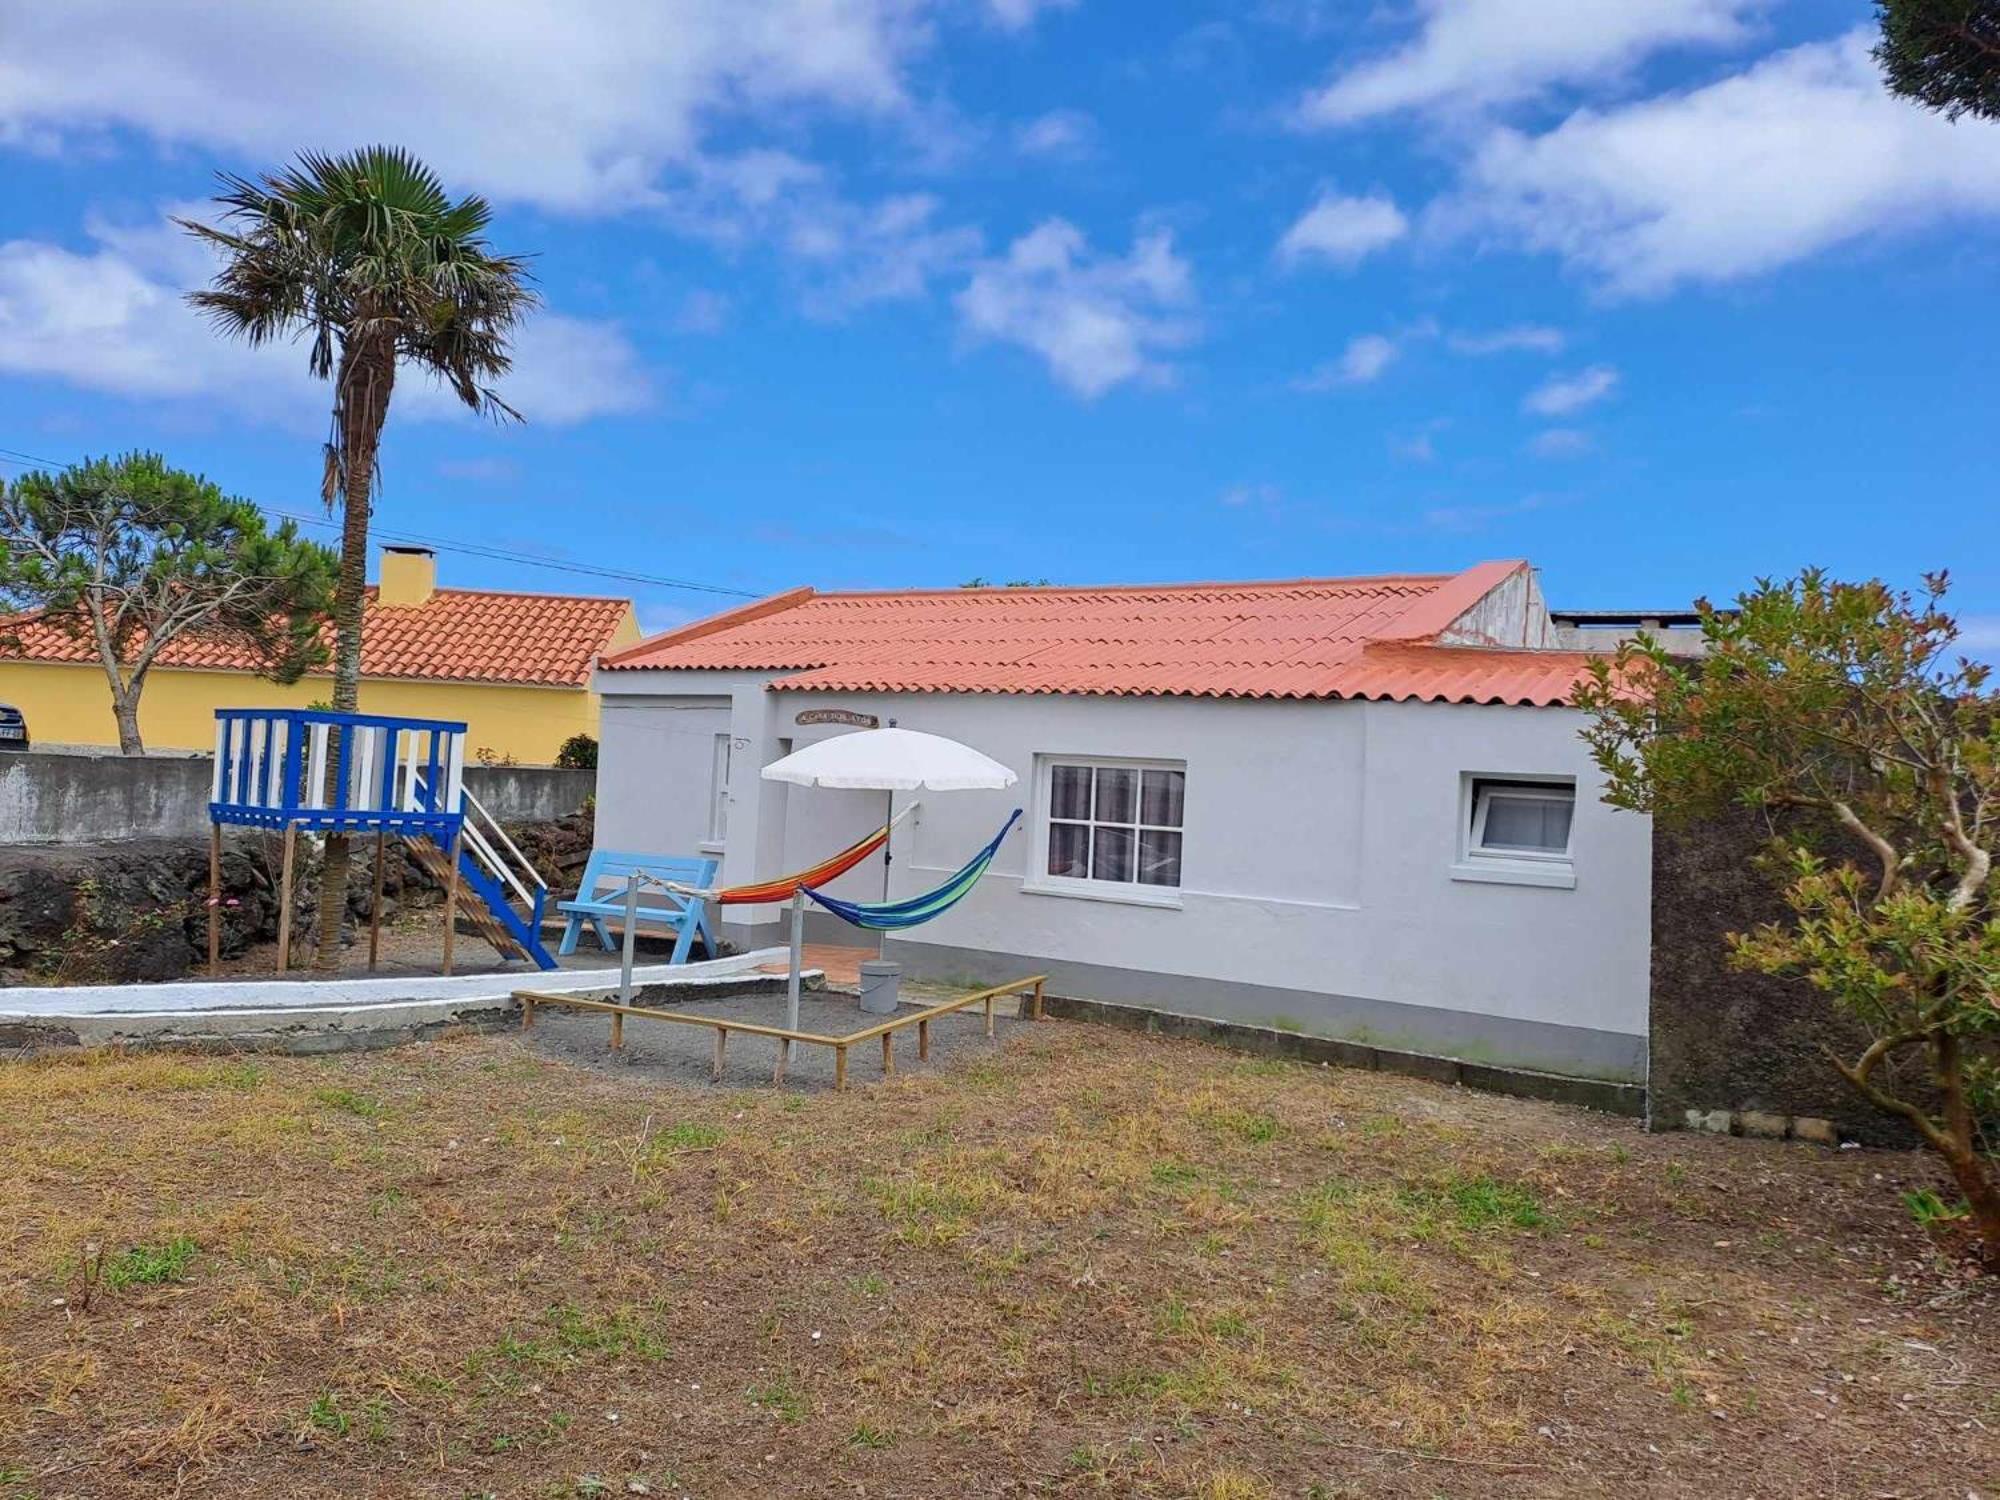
{"type": "Point", "coordinates": [723, 1025]}
{"type": "Point", "coordinates": [684, 916]}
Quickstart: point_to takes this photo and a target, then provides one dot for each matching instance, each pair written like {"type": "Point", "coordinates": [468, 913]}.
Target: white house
{"type": "Point", "coordinates": [1355, 808]}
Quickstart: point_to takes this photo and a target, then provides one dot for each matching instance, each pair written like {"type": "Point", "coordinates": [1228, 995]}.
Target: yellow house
{"type": "Point", "coordinates": [515, 668]}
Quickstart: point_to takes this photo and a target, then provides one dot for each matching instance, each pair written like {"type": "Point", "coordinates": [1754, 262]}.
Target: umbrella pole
{"type": "Point", "coordinates": [798, 960]}
{"type": "Point", "coordinates": [889, 817]}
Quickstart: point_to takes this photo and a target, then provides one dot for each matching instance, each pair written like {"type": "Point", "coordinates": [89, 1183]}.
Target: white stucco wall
{"type": "Point", "coordinates": [653, 773]}
{"type": "Point", "coordinates": [1317, 882]}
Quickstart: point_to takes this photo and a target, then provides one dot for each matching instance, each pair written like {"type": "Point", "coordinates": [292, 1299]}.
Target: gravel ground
{"type": "Point", "coordinates": [668, 1053]}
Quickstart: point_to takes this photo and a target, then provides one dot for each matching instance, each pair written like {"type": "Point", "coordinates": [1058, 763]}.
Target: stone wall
{"type": "Point", "coordinates": [1739, 1049]}
{"type": "Point", "coordinates": [137, 910]}
{"type": "Point", "coordinates": [77, 798]}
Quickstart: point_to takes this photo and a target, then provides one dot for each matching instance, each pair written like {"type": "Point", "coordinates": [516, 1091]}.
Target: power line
{"type": "Point", "coordinates": [18, 459]}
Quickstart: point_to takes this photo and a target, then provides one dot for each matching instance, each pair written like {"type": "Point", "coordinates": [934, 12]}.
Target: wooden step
{"type": "Point", "coordinates": [471, 909]}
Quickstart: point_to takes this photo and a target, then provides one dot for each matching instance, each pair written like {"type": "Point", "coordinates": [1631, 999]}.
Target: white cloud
{"type": "Point", "coordinates": [1362, 362]}
{"type": "Point", "coordinates": [889, 251]}
{"type": "Point", "coordinates": [1478, 517]}
{"type": "Point", "coordinates": [843, 254]}
{"type": "Point", "coordinates": [571, 107]}
{"type": "Point", "coordinates": [1343, 231]}
{"type": "Point", "coordinates": [113, 319]}
{"type": "Point", "coordinates": [1016, 15]}
{"type": "Point", "coordinates": [1419, 446]}
{"type": "Point", "coordinates": [1801, 152]}
{"type": "Point", "coordinates": [1560, 395]}
{"type": "Point", "coordinates": [1522, 337]}
{"type": "Point", "coordinates": [1472, 54]}
{"type": "Point", "coordinates": [1059, 135]}
{"type": "Point", "coordinates": [1097, 321]}
{"type": "Point", "coordinates": [702, 311]}
{"type": "Point", "coordinates": [1248, 496]}
{"type": "Point", "coordinates": [1560, 442]}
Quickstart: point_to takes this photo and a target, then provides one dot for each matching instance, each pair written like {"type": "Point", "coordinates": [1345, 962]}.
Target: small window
{"type": "Point", "coordinates": [718, 792]}
{"type": "Point", "coordinates": [1521, 819]}
{"type": "Point", "coordinates": [1115, 823]}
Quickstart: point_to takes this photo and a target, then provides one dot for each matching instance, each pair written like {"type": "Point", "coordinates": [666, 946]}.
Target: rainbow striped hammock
{"type": "Point", "coordinates": [890, 915]}
{"type": "Point", "coordinates": [787, 886]}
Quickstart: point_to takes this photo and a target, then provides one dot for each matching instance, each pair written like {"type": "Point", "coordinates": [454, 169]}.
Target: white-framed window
{"type": "Point", "coordinates": [1517, 829]}
{"type": "Point", "coordinates": [1111, 825]}
{"type": "Point", "coordinates": [1521, 819]}
{"type": "Point", "coordinates": [718, 791]}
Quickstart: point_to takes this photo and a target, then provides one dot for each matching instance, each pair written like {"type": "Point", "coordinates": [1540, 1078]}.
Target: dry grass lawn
{"type": "Point", "coordinates": [1096, 1264]}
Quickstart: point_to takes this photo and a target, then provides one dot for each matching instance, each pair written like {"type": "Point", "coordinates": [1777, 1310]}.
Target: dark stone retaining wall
{"type": "Point", "coordinates": [1724, 1039]}
{"type": "Point", "coordinates": [137, 910]}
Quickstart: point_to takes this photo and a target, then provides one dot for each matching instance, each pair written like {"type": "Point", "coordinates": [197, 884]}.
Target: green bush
{"type": "Point", "coordinates": [578, 753]}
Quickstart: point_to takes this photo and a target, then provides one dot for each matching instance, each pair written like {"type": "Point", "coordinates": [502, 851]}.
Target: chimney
{"type": "Point", "coordinates": [409, 575]}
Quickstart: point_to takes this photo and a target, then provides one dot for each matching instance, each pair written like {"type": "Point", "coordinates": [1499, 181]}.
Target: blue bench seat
{"type": "Point", "coordinates": [600, 897]}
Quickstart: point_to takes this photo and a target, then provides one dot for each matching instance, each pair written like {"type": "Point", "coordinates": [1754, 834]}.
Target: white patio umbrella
{"type": "Point", "coordinates": [887, 760]}
{"type": "Point", "coordinates": [891, 760]}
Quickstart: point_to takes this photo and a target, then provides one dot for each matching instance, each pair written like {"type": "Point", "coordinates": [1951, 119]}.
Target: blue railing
{"type": "Point", "coordinates": [320, 770]}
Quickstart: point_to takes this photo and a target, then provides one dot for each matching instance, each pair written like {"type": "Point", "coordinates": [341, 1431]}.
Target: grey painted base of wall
{"type": "Point", "coordinates": [1614, 1098]}
{"type": "Point", "coordinates": [1462, 1038]}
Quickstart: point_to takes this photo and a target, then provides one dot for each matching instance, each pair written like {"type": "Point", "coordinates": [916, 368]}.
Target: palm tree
{"type": "Point", "coordinates": [368, 258]}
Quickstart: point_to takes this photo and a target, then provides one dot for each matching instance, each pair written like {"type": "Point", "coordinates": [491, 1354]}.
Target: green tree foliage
{"type": "Point", "coordinates": [1945, 54]}
{"type": "Point", "coordinates": [1842, 710]}
{"type": "Point", "coordinates": [130, 555]}
{"type": "Point", "coordinates": [370, 261]}
{"type": "Point", "coordinates": [578, 753]}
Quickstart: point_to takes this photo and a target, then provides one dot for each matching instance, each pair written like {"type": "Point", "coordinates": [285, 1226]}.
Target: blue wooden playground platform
{"type": "Point", "coordinates": [293, 769]}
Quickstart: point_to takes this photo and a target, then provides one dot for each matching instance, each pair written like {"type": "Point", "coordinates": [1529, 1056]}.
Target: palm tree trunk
{"type": "Point", "coordinates": [363, 384]}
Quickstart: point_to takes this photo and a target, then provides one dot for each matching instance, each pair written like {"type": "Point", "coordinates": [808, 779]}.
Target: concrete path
{"type": "Point", "coordinates": [330, 1015]}
{"type": "Point", "coordinates": [193, 996]}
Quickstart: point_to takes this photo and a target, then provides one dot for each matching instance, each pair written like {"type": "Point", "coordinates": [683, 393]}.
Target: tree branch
{"type": "Point", "coordinates": [1857, 1077]}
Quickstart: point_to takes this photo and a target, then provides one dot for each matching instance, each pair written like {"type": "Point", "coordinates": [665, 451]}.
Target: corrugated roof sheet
{"type": "Point", "coordinates": [1308, 638]}
{"type": "Point", "coordinates": [459, 635]}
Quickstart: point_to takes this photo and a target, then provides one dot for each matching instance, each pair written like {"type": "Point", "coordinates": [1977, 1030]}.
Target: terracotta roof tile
{"type": "Point", "coordinates": [1309, 638]}
{"type": "Point", "coordinates": [457, 635]}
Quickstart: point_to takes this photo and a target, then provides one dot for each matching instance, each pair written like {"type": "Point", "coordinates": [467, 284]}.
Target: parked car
{"type": "Point", "coordinates": [13, 728]}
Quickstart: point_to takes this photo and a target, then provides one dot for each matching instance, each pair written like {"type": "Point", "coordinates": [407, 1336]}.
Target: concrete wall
{"type": "Point", "coordinates": [48, 798]}
{"type": "Point", "coordinates": [1318, 888]}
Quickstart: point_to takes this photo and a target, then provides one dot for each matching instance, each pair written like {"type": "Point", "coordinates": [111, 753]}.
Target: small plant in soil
{"type": "Point", "coordinates": [151, 1265]}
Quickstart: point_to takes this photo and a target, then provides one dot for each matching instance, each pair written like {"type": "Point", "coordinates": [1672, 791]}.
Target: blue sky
{"type": "Point", "coordinates": [1661, 295]}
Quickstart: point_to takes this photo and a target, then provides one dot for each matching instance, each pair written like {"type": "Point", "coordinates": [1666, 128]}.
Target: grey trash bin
{"type": "Point", "coordinates": [879, 981]}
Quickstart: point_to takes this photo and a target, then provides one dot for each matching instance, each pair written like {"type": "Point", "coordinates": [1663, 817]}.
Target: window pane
{"type": "Point", "coordinates": [1537, 824]}
{"type": "Point", "coordinates": [1160, 798]}
{"type": "Point", "coordinates": [1111, 854]}
{"type": "Point", "coordinates": [1069, 792]}
{"type": "Point", "coordinates": [1117, 794]}
{"type": "Point", "coordinates": [1069, 850]}
{"type": "Point", "coordinates": [1159, 858]}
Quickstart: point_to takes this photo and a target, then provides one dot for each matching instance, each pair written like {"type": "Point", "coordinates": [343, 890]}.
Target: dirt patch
{"type": "Point", "coordinates": [664, 1052]}
{"type": "Point", "coordinates": [1089, 1262]}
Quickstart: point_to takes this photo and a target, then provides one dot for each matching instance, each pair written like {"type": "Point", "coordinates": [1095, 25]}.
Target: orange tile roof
{"type": "Point", "coordinates": [457, 635]}
{"type": "Point", "coordinates": [1309, 638]}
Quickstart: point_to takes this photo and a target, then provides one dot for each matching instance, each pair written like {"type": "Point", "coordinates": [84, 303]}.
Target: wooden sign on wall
{"type": "Point", "coordinates": [837, 716]}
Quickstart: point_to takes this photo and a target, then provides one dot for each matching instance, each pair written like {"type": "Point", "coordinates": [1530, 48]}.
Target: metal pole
{"type": "Point", "coordinates": [631, 938]}
{"type": "Point", "coordinates": [798, 960]}
{"type": "Point", "coordinates": [889, 816]}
